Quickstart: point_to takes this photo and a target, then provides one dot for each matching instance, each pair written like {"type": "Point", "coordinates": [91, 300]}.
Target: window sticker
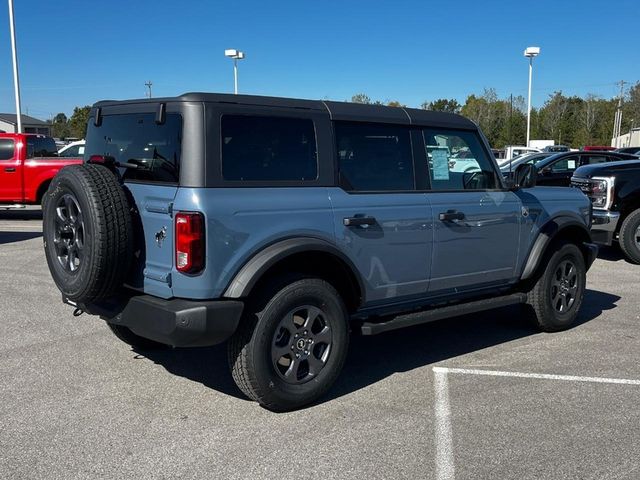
{"type": "Point", "coordinates": [571, 164]}
{"type": "Point", "coordinates": [440, 160]}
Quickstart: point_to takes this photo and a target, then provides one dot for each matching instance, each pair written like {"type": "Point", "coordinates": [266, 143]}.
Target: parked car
{"type": "Point", "coordinates": [556, 148]}
{"type": "Point", "coordinates": [509, 168]}
{"type": "Point", "coordinates": [72, 150]}
{"type": "Point", "coordinates": [28, 162]}
{"type": "Point", "coordinates": [614, 190]}
{"type": "Point", "coordinates": [557, 170]}
{"type": "Point", "coordinates": [284, 226]}
{"type": "Point", "coordinates": [631, 150]}
{"type": "Point", "coordinates": [513, 151]}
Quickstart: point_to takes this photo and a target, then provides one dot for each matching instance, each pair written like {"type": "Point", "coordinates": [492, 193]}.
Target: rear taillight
{"type": "Point", "coordinates": [189, 242]}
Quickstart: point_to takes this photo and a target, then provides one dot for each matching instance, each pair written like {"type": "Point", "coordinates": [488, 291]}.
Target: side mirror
{"type": "Point", "coordinates": [525, 176]}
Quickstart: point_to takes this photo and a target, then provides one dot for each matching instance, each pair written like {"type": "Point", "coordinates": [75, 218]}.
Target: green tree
{"type": "Point", "coordinates": [443, 105]}
{"type": "Point", "coordinates": [78, 121]}
{"type": "Point", "coordinates": [361, 98]}
{"type": "Point", "coordinates": [394, 103]}
{"type": "Point", "coordinates": [60, 126]}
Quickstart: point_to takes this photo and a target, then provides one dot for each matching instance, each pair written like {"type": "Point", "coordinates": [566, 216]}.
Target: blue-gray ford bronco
{"type": "Point", "coordinates": [284, 226]}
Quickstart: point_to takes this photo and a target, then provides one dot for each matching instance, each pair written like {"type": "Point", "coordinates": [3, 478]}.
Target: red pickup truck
{"type": "Point", "coordinates": [28, 163]}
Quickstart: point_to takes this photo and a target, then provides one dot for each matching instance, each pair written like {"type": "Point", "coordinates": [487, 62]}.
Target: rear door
{"type": "Point", "coordinates": [10, 172]}
{"type": "Point", "coordinates": [381, 221]}
{"type": "Point", "coordinates": [476, 223]}
{"type": "Point", "coordinates": [153, 150]}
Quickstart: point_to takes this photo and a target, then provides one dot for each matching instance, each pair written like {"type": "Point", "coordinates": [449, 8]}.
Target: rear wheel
{"type": "Point", "coordinates": [630, 237]}
{"type": "Point", "coordinates": [557, 295]}
{"type": "Point", "coordinates": [290, 348]}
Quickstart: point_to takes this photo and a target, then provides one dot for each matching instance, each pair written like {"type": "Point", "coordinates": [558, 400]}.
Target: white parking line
{"type": "Point", "coordinates": [445, 469]}
{"type": "Point", "coordinates": [445, 465]}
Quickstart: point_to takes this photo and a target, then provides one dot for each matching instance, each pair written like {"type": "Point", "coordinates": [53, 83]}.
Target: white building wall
{"type": "Point", "coordinates": [7, 127]}
{"type": "Point", "coordinates": [631, 139]}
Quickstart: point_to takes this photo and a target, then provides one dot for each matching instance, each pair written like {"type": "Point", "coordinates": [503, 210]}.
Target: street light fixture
{"type": "Point", "coordinates": [235, 55]}
{"type": "Point", "coordinates": [530, 52]}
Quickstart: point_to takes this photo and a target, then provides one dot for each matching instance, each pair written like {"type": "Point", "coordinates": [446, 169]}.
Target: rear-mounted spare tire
{"type": "Point", "coordinates": [87, 233]}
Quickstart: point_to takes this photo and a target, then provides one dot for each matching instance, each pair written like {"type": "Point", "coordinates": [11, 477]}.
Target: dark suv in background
{"type": "Point", "coordinates": [557, 170]}
{"type": "Point", "coordinates": [283, 226]}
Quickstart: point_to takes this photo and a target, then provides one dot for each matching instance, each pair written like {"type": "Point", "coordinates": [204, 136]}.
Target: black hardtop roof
{"type": "Point", "coordinates": [336, 110]}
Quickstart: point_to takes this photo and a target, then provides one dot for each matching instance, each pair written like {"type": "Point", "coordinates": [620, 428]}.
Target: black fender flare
{"type": "Point", "coordinates": [246, 278]}
{"type": "Point", "coordinates": [546, 235]}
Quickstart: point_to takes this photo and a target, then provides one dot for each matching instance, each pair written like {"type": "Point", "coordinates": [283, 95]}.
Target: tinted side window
{"type": "Point", "coordinates": [41, 147]}
{"type": "Point", "coordinates": [7, 149]}
{"type": "Point", "coordinates": [457, 161]}
{"type": "Point", "coordinates": [268, 148]}
{"type": "Point", "coordinates": [374, 157]}
{"type": "Point", "coordinates": [567, 164]}
{"type": "Point", "coordinates": [593, 159]}
{"type": "Point", "coordinates": [138, 140]}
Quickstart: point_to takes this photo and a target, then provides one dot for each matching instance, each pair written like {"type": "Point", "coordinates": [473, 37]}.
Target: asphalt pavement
{"type": "Point", "coordinates": [75, 402]}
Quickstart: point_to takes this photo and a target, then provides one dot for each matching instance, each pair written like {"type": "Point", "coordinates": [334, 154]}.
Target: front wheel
{"type": "Point", "coordinates": [557, 295]}
{"type": "Point", "coordinates": [630, 237]}
{"type": "Point", "coordinates": [290, 348]}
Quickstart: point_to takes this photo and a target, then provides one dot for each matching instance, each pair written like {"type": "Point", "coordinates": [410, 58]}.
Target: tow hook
{"type": "Point", "coordinates": [77, 312]}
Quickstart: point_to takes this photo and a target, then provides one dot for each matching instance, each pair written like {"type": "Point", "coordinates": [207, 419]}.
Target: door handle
{"type": "Point", "coordinates": [10, 169]}
{"type": "Point", "coordinates": [451, 215]}
{"type": "Point", "coordinates": [358, 221]}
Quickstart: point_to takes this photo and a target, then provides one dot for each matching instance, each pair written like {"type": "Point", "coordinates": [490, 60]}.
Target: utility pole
{"type": "Point", "coordinates": [148, 84]}
{"type": "Point", "coordinates": [510, 118]}
{"type": "Point", "coordinates": [14, 56]}
{"type": "Point", "coordinates": [617, 121]}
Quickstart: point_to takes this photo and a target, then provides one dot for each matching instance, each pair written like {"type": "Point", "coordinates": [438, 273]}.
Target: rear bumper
{"type": "Point", "coordinates": [177, 322]}
{"type": "Point", "coordinates": [604, 226]}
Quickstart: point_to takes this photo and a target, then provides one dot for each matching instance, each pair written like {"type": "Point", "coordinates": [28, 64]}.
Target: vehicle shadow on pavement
{"type": "Point", "coordinates": [610, 254]}
{"type": "Point", "coordinates": [20, 214]}
{"type": "Point", "coordinates": [206, 365]}
{"type": "Point", "coordinates": [374, 358]}
{"type": "Point", "coordinates": [11, 237]}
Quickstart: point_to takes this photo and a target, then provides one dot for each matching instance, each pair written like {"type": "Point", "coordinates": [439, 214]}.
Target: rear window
{"type": "Point", "coordinates": [138, 140]}
{"type": "Point", "coordinates": [38, 147]}
{"type": "Point", "coordinates": [7, 148]}
{"type": "Point", "coordinates": [268, 148]}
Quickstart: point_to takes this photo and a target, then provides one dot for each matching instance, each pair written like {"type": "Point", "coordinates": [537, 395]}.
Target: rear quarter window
{"type": "Point", "coordinates": [256, 148]}
{"type": "Point", "coordinates": [152, 150]}
{"type": "Point", "coordinates": [7, 149]}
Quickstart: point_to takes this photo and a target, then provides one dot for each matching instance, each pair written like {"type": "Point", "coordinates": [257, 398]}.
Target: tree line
{"type": "Point", "coordinates": [568, 120]}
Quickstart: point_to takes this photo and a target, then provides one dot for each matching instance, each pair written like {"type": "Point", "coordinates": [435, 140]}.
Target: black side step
{"type": "Point", "coordinates": [373, 328]}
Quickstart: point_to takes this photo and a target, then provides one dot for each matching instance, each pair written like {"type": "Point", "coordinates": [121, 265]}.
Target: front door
{"type": "Point", "coordinates": [10, 172]}
{"type": "Point", "coordinates": [476, 223]}
{"type": "Point", "coordinates": [558, 173]}
{"type": "Point", "coordinates": [381, 222]}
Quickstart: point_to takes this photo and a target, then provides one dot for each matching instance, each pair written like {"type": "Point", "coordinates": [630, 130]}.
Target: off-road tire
{"type": "Point", "coordinates": [250, 348]}
{"type": "Point", "coordinates": [627, 237]}
{"type": "Point", "coordinates": [541, 297]}
{"type": "Point", "coordinates": [107, 243]}
{"type": "Point", "coordinates": [127, 336]}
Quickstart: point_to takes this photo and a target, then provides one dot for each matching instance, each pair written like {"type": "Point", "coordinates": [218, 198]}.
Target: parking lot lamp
{"type": "Point", "coordinates": [235, 55]}
{"type": "Point", "coordinates": [530, 52]}
{"type": "Point", "coordinates": [14, 56]}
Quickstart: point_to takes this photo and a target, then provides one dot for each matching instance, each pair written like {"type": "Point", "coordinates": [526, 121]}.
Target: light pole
{"type": "Point", "coordinates": [14, 55]}
{"type": "Point", "coordinates": [235, 55]}
{"type": "Point", "coordinates": [530, 52]}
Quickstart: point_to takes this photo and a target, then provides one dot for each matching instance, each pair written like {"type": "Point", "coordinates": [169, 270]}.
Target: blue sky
{"type": "Point", "coordinates": [76, 52]}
